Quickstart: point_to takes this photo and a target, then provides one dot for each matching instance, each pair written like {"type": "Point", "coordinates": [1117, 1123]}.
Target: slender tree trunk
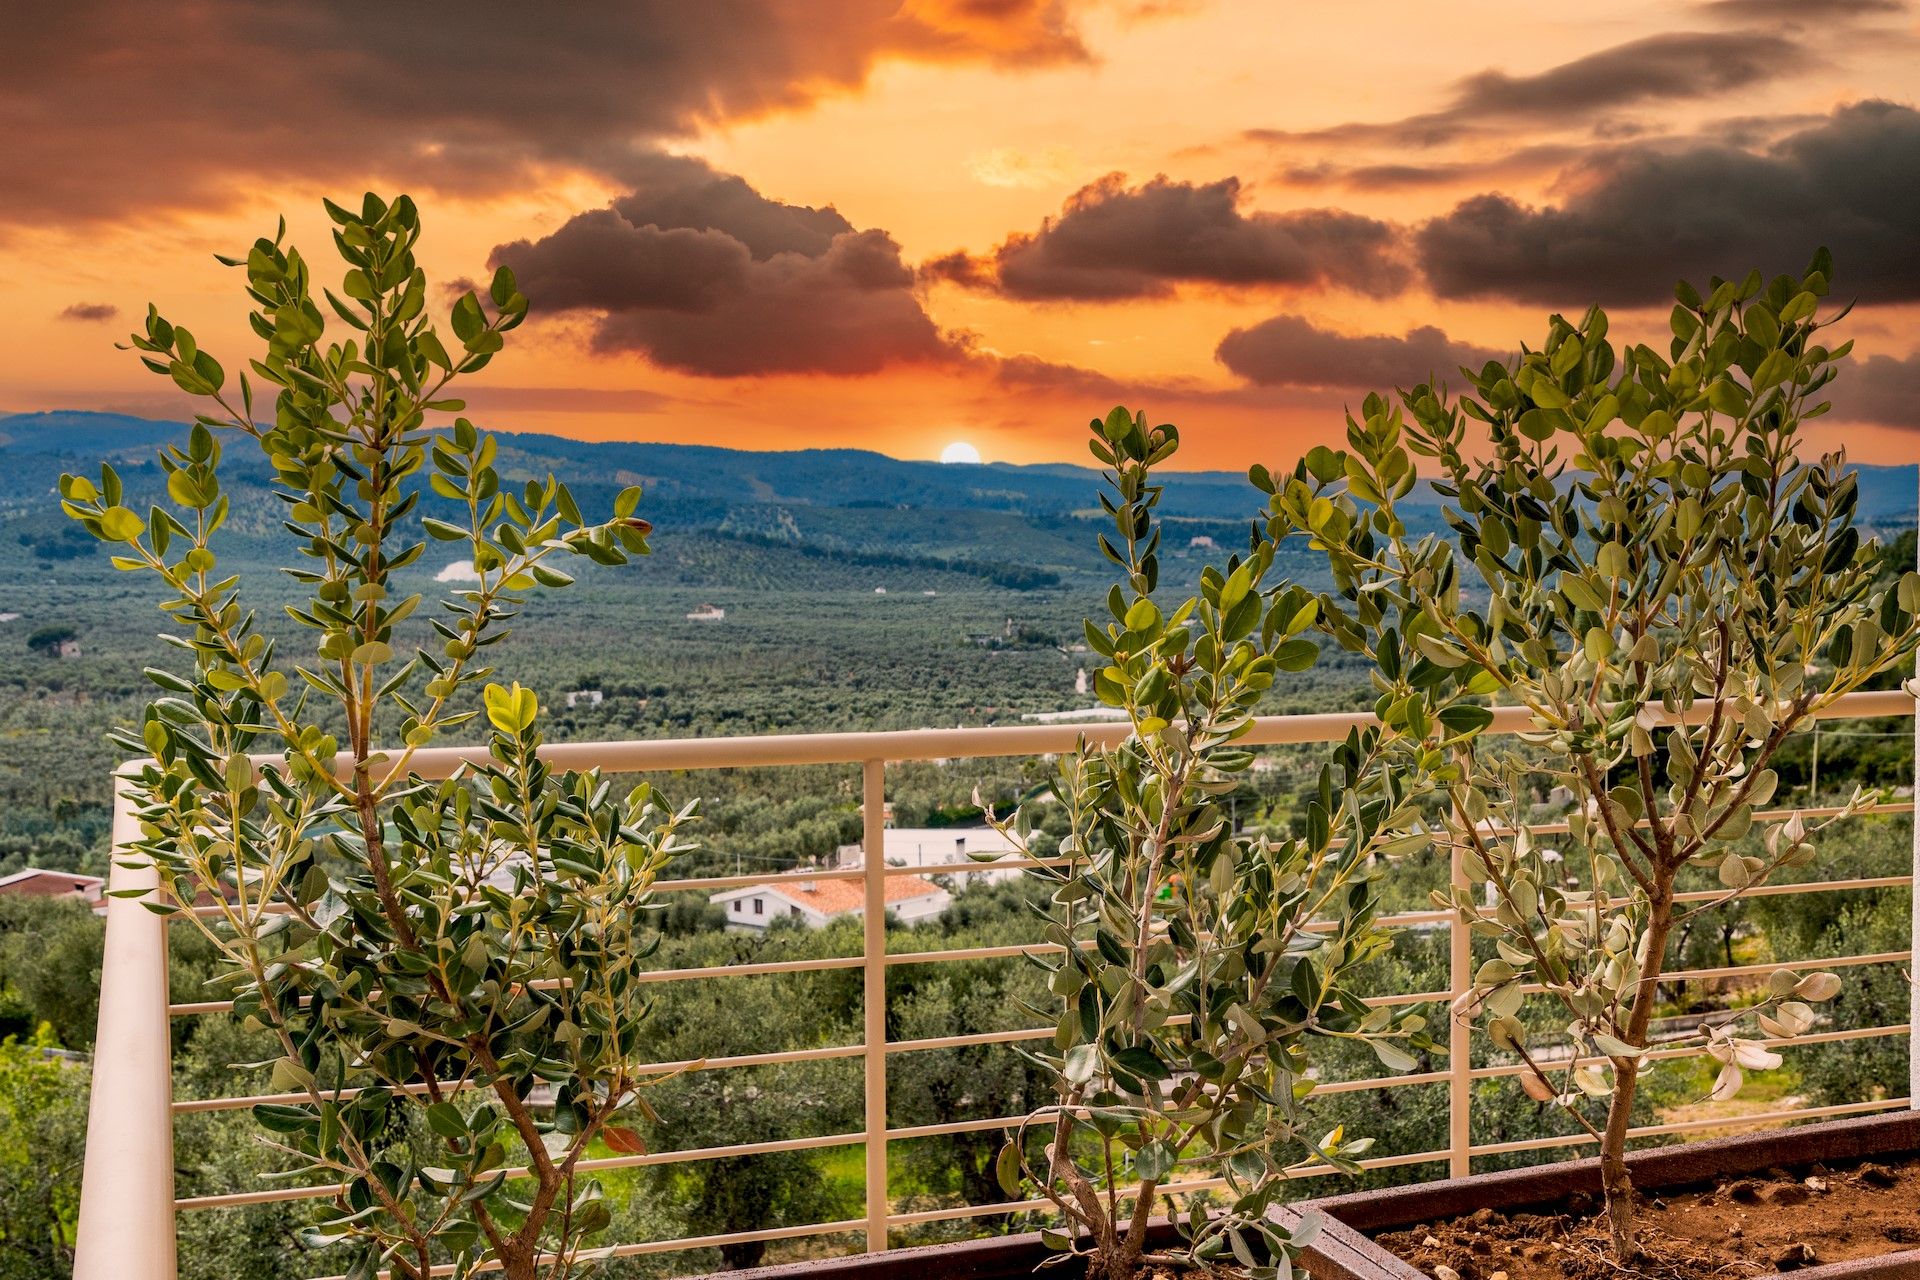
{"type": "Point", "coordinates": [1615, 1183]}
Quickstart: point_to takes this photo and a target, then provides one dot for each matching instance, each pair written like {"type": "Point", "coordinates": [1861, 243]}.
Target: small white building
{"type": "Point", "coordinates": [1200, 543]}
{"type": "Point", "coordinates": [936, 848]}
{"type": "Point", "coordinates": [585, 697]}
{"type": "Point", "coordinates": [707, 613]}
{"type": "Point", "coordinates": [910, 899]}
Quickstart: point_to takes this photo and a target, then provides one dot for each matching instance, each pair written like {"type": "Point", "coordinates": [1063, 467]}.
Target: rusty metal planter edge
{"type": "Point", "coordinates": [1345, 1251]}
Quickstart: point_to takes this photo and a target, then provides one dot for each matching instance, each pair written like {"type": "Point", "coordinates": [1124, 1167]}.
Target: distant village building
{"type": "Point", "coordinates": [1076, 713]}
{"type": "Point", "coordinates": [934, 848]}
{"type": "Point", "coordinates": [1080, 680]}
{"type": "Point", "coordinates": [1200, 543]}
{"type": "Point", "coordinates": [9, 617]}
{"type": "Point", "coordinates": [33, 882]}
{"type": "Point", "coordinates": [910, 899]}
{"type": "Point", "coordinates": [879, 591]}
{"type": "Point", "coordinates": [707, 613]}
{"type": "Point", "coordinates": [587, 697]}
{"type": "Point", "coordinates": [67, 649]}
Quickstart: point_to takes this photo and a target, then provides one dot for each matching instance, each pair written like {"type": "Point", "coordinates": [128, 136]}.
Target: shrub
{"type": "Point", "coordinates": [1641, 561]}
{"type": "Point", "coordinates": [1197, 962]}
{"type": "Point", "coordinates": [424, 956]}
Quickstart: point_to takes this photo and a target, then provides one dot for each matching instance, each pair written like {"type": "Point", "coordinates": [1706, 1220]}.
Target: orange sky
{"type": "Point", "coordinates": [1417, 184]}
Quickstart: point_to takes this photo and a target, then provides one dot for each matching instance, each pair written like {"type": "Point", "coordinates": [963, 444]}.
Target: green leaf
{"type": "Point", "coordinates": [1466, 718]}
{"type": "Point", "coordinates": [1392, 1056]}
{"type": "Point", "coordinates": [122, 524]}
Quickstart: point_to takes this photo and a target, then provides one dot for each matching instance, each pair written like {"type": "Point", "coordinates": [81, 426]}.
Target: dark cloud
{"type": "Point", "coordinates": [1796, 12]}
{"type": "Point", "coordinates": [90, 311]}
{"type": "Point", "coordinates": [567, 399]}
{"type": "Point", "coordinates": [1669, 67]}
{"type": "Point", "coordinates": [108, 106]}
{"type": "Point", "coordinates": [1292, 351]}
{"type": "Point", "coordinates": [1114, 242]}
{"type": "Point", "coordinates": [1523, 162]}
{"type": "Point", "coordinates": [1645, 217]}
{"type": "Point", "coordinates": [1879, 389]}
{"type": "Point", "coordinates": [703, 274]}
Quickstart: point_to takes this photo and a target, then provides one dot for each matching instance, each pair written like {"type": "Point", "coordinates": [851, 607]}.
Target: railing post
{"type": "Point", "coordinates": [1913, 988]}
{"type": "Point", "coordinates": [873, 845]}
{"type": "Point", "coordinates": [126, 1229]}
{"type": "Point", "coordinates": [1459, 1032]}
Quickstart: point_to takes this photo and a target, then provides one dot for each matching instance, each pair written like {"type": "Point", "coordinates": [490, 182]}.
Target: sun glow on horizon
{"type": "Point", "coordinates": [960, 451]}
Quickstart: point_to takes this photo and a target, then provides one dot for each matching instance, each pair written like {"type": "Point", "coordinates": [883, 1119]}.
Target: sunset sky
{"type": "Point", "coordinates": [795, 223]}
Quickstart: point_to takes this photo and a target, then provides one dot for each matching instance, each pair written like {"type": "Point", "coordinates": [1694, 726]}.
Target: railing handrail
{"type": "Point", "coordinates": [743, 751]}
{"type": "Point", "coordinates": [126, 1228]}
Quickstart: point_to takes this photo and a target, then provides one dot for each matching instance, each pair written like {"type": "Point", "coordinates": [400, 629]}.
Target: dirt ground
{"type": "Point", "coordinates": [1778, 1221]}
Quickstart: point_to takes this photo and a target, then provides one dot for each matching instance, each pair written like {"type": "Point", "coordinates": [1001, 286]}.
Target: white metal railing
{"type": "Point", "coordinates": [127, 1214]}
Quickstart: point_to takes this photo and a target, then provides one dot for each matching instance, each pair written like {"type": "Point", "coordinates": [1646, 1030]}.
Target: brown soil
{"type": "Point", "coordinates": [1753, 1226]}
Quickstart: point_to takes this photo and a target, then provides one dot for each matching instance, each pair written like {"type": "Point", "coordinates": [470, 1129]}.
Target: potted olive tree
{"type": "Point", "coordinates": [1638, 556]}
{"type": "Point", "coordinates": [422, 957]}
{"type": "Point", "coordinates": [1195, 963]}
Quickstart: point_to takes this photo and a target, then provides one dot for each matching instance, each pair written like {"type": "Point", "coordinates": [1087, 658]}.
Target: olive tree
{"type": "Point", "coordinates": [1193, 963]}
{"type": "Point", "coordinates": [449, 971]}
{"type": "Point", "coordinates": [1637, 557]}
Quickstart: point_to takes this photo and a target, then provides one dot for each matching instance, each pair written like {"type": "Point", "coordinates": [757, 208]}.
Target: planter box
{"type": "Point", "coordinates": [1345, 1251]}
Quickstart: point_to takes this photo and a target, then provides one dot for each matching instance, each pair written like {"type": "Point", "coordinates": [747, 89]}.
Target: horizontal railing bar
{"type": "Point", "coordinates": [1028, 1206]}
{"type": "Point", "coordinates": [183, 1106]}
{"type": "Point", "coordinates": [1186, 1188]}
{"type": "Point", "coordinates": [1763, 815]}
{"type": "Point", "coordinates": [1662, 1055]}
{"type": "Point", "coordinates": [1053, 948]}
{"type": "Point", "coordinates": [638, 1161]}
{"type": "Point", "coordinates": [1811, 886]}
{"type": "Point", "coordinates": [770, 750]}
{"type": "Point", "coordinates": [777, 878]}
{"type": "Point", "coordinates": [1694, 1126]}
{"type": "Point", "coordinates": [758, 969]}
{"type": "Point", "coordinates": [969, 1040]}
{"type": "Point", "coordinates": [825, 1053]}
{"type": "Point", "coordinates": [1746, 970]}
{"type": "Point", "coordinates": [1817, 962]}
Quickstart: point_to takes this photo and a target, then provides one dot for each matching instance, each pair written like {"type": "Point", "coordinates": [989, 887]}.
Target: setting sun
{"type": "Point", "coordinates": [959, 451]}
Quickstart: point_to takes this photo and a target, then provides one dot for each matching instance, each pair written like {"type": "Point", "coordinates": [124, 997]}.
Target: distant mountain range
{"type": "Point", "coordinates": [846, 499]}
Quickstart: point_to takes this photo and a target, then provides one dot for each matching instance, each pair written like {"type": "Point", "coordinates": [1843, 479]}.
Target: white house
{"type": "Point", "coordinates": [910, 899]}
{"type": "Point", "coordinates": [934, 848]}
{"type": "Point", "coordinates": [586, 697]}
{"type": "Point", "coordinates": [707, 613]}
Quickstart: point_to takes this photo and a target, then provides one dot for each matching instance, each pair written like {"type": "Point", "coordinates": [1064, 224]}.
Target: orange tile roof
{"type": "Point", "coordinates": [835, 897]}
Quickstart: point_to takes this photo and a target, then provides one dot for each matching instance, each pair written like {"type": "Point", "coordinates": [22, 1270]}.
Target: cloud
{"type": "Point", "coordinates": [1879, 389]}
{"type": "Point", "coordinates": [702, 274]}
{"type": "Point", "coordinates": [356, 92]}
{"type": "Point", "coordinates": [1291, 351]}
{"type": "Point", "coordinates": [90, 311]}
{"type": "Point", "coordinates": [1522, 162]}
{"type": "Point", "coordinates": [1645, 217]}
{"type": "Point", "coordinates": [1114, 242]}
{"type": "Point", "coordinates": [488, 399]}
{"type": "Point", "coordinates": [1672, 66]}
{"type": "Point", "coordinates": [1794, 13]}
